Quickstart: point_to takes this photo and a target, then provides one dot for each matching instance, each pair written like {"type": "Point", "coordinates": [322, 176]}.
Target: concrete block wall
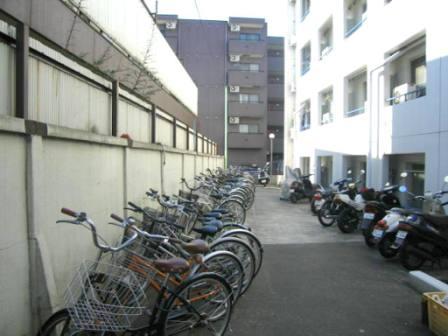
{"type": "Point", "coordinates": [60, 167]}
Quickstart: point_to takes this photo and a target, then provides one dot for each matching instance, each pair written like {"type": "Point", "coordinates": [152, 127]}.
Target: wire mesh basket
{"type": "Point", "coordinates": [104, 297]}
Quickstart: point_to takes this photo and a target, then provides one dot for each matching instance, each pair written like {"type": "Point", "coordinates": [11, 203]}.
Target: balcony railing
{"type": "Point", "coordinates": [354, 112]}
{"type": "Point", "coordinates": [411, 95]}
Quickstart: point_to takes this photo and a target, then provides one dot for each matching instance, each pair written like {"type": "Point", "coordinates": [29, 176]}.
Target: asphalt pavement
{"type": "Point", "coordinates": [317, 281]}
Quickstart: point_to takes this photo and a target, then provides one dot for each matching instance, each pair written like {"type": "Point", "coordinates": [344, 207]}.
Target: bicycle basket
{"type": "Point", "coordinates": [104, 297]}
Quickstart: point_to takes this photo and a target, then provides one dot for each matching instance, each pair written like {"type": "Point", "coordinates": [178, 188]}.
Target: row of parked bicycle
{"type": "Point", "coordinates": [388, 219]}
{"type": "Point", "coordinates": [179, 268]}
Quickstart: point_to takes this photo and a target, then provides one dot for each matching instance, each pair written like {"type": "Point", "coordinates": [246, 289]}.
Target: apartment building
{"type": "Point", "coordinates": [364, 90]}
{"type": "Point", "coordinates": [239, 73]}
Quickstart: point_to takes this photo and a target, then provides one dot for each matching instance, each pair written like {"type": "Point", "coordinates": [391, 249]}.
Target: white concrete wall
{"type": "Point", "coordinates": [417, 126]}
{"type": "Point", "coordinates": [14, 265]}
{"type": "Point", "coordinates": [93, 174]}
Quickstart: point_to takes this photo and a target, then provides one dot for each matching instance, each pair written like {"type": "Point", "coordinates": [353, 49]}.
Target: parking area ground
{"type": "Point", "coordinates": [317, 281]}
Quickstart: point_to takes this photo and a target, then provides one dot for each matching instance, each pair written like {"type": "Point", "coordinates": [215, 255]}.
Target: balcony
{"type": "Point", "coordinates": [276, 91]}
{"type": "Point", "coordinates": [247, 78]}
{"type": "Point", "coordinates": [250, 110]}
{"type": "Point", "coordinates": [249, 48]}
{"type": "Point", "coordinates": [275, 118]}
{"type": "Point", "coordinates": [246, 140]}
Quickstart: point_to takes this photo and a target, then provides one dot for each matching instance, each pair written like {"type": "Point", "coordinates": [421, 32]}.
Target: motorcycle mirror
{"type": "Point", "coordinates": [404, 174]}
{"type": "Point", "coordinates": [363, 171]}
{"type": "Point", "coordinates": [387, 184]}
{"type": "Point", "coordinates": [403, 189]}
{"type": "Point", "coordinates": [349, 172]}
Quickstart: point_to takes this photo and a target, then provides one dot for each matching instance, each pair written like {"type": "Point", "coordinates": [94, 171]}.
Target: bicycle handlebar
{"type": "Point", "coordinates": [81, 217]}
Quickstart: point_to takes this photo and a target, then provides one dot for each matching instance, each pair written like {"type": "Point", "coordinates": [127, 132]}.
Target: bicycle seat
{"type": "Point", "coordinates": [213, 214]}
{"type": "Point", "coordinates": [214, 222]}
{"type": "Point", "coordinates": [172, 265]}
{"type": "Point", "coordinates": [196, 246]}
{"type": "Point", "coordinates": [207, 230]}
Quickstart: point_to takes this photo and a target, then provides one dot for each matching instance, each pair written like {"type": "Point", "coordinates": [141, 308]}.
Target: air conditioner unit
{"type": "Point", "coordinates": [234, 27]}
{"type": "Point", "coordinates": [234, 120]}
{"type": "Point", "coordinates": [171, 25]}
{"type": "Point", "coordinates": [400, 91]}
{"type": "Point", "coordinates": [234, 88]}
{"type": "Point", "coordinates": [235, 58]}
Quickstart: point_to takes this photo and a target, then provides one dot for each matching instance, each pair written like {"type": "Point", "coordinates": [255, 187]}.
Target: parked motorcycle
{"type": "Point", "coordinates": [376, 210]}
{"type": "Point", "coordinates": [303, 188]}
{"type": "Point", "coordinates": [331, 208]}
{"type": "Point", "coordinates": [263, 176]}
{"type": "Point", "coordinates": [325, 194]}
{"type": "Point", "coordinates": [423, 236]}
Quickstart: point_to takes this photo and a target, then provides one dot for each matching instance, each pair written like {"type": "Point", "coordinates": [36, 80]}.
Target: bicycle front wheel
{"type": "Point", "coordinates": [60, 324]}
{"type": "Point", "coordinates": [202, 305]}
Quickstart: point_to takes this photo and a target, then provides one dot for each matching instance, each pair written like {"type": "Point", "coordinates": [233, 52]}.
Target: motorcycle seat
{"type": "Point", "coordinates": [439, 221]}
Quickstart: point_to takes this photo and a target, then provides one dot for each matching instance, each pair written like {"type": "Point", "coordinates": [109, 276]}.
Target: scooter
{"type": "Point", "coordinates": [326, 194]}
{"type": "Point", "coordinates": [423, 236]}
{"type": "Point", "coordinates": [263, 176]}
{"type": "Point", "coordinates": [376, 210]}
{"type": "Point", "coordinates": [303, 188]}
{"type": "Point", "coordinates": [352, 209]}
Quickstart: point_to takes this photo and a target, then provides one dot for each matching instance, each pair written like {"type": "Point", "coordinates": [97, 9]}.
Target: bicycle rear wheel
{"type": "Point", "coordinates": [202, 305]}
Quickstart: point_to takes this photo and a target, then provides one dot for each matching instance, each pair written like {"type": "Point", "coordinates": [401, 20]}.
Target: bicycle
{"type": "Point", "coordinates": [106, 299]}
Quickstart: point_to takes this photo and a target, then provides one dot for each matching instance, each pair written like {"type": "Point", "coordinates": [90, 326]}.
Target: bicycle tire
{"type": "Point", "coordinates": [175, 314]}
{"type": "Point", "coordinates": [252, 240]}
{"type": "Point", "coordinates": [227, 265]}
{"type": "Point", "coordinates": [237, 210]}
{"type": "Point", "coordinates": [243, 251]}
{"type": "Point", "coordinates": [62, 316]}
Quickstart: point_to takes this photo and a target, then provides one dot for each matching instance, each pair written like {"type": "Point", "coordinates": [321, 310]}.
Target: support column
{"type": "Point", "coordinates": [115, 104]}
{"type": "Point", "coordinates": [153, 124]}
{"type": "Point", "coordinates": [22, 54]}
{"type": "Point", "coordinates": [188, 138]}
{"type": "Point", "coordinates": [174, 133]}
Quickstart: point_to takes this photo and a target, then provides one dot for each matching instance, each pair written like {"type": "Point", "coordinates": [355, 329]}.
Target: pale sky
{"type": "Point", "coordinates": [274, 11]}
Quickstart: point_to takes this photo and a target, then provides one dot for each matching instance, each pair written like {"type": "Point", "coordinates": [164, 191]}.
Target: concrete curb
{"type": "Point", "coordinates": [422, 282]}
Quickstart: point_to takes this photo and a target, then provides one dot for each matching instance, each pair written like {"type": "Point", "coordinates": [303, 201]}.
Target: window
{"type": "Point", "coordinates": [326, 39]}
{"type": "Point", "coordinates": [249, 98]}
{"type": "Point", "coordinates": [407, 73]}
{"type": "Point", "coordinates": [355, 15]}
{"type": "Point", "coordinates": [249, 37]}
{"type": "Point", "coordinates": [252, 67]}
{"type": "Point", "coordinates": [275, 79]}
{"type": "Point", "coordinates": [275, 53]}
{"type": "Point", "coordinates": [356, 94]}
{"type": "Point", "coordinates": [305, 8]}
{"type": "Point", "coordinates": [248, 128]}
{"type": "Point", "coordinates": [326, 104]}
{"type": "Point", "coordinates": [305, 115]}
{"type": "Point", "coordinates": [306, 59]}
